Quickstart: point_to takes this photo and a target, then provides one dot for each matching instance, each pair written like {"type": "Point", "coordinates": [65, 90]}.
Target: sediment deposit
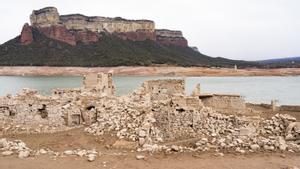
{"type": "Point", "coordinates": [144, 71]}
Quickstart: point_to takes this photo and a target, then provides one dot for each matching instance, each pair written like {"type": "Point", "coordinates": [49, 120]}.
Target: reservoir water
{"type": "Point", "coordinates": [255, 89]}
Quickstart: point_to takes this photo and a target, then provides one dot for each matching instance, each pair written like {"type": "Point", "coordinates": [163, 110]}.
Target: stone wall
{"type": "Point", "coordinates": [101, 83]}
{"type": "Point", "coordinates": [31, 110]}
{"type": "Point", "coordinates": [227, 104]}
{"type": "Point", "coordinates": [163, 89]}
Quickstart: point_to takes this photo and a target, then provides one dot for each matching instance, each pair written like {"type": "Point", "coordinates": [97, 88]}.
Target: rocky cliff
{"type": "Point", "coordinates": [77, 40]}
{"type": "Point", "coordinates": [76, 28]}
{"type": "Point", "coordinates": [170, 37]}
{"type": "Point", "coordinates": [26, 35]}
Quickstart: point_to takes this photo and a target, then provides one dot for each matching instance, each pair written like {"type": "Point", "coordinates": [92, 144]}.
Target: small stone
{"type": "Point", "coordinates": [140, 157]}
{"type": "Point", "coordinates": [81, 153]}
{"type": "Point", "coordinates": [282, 156]}
{"type": "Point", "coordinates": [7, 153]}
{"type": "Point", "coordinates": [175, 148]}
{"type": "Point", "coordinates": [43, 151]}
{"type": "Point", "coordinates": [282, 144]}
{"type": "Point", "coordinates": [68, 152]}
{"type": "Point", "coordinates": [213, 134]}
{"type": "Point", "coordinates": [142, 133]}
{"type": "Point", "coordinates": [24, 154]}
{"type": "Point", "coordinates": [219, 154]}
{"type": "Point", "coordinates": [266, 147]}
{"type": "Point", "coordinates": [142, 141]}
{"type": "Point", "coordinates": [254, 147]}
{"type": "Point", "coordinates": [283, 147]}
{"type": "Point", "coordinates": [3, 142]}
{"type": "Point", "coordinates": [91, 157]}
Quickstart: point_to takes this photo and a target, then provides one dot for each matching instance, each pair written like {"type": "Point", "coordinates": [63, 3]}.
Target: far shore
{"type": "Point", "coordinates": [143, 71]}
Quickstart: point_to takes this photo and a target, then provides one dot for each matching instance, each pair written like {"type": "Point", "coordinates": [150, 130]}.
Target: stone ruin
{"type": "Point", "coordinates": [158, 112]}
{"type": "Point", "coordinates": [100, 82]}
{"type": "Point", "coordinates": [224, 103]}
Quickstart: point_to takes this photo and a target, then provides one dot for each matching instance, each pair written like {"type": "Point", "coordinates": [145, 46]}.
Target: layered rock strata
{"type": "Point", "coordinates": [170, 37]}
{"type": "Point", "coordinates": [76, 28]}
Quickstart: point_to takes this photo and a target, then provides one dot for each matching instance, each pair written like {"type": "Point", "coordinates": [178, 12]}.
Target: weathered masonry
{"type": "Point", "coordinates": [224, 103]}
{"type": "Point", "coordinates": [165, 98]}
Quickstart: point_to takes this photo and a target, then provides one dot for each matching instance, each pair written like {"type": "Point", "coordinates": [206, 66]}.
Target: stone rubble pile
{"type": "Point", "coordinates": [19, 148]}
{"type": "Point", "coordinates": [14, 147]}
{"type": "Point", "coordinates": [214, 131]}
{"type": "Point", "coordinates": [127, 120]}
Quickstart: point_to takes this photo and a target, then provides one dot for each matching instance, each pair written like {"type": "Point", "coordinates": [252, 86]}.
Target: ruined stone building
{"type": "Point", "coordinates": [158, 112]}
{"type": "Point", "coordinates": [165, 99]}
{"type": "Point", "coordinates": [100, 82]}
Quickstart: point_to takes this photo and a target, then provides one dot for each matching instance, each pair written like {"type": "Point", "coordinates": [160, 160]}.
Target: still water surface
{"type": "Point", "coordinates": [255, 89]}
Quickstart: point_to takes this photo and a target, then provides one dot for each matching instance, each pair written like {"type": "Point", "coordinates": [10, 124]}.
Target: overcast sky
{"type": "Point", "coordinates": [236, 29]}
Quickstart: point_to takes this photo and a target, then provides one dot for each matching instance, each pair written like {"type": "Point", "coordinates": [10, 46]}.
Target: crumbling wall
{"type": "Point", "coordinates": [30, 109]}
{"type": "Point", "coordinates": [163, 89]}
{"type": "Point", "coordinates": [101, 83]}
{"type": "Point", "coordinates": [228, 104]}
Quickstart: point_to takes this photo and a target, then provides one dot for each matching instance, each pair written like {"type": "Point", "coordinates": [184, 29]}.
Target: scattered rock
{"type": "Point", "coordinates": [24, 154]}
{"type": "Point", "coordinates": [81, 153]}
{"type": "Point", "coordinates": [91, 157]}
{"type": "Point", "coordinates": [175, 148]}
{"type": "Point", "coordinates": [140, 157]}
{"type": "Point", "coordinates": [254, 147]}
{"type": "Point", "coordinates": [68, 152]}
{"type": "Point", "coordinates": [43, 151]}
{"type": "Point", "coordinates": [3, 143]}
{"type": "Point", "coordinates": [7, 153]}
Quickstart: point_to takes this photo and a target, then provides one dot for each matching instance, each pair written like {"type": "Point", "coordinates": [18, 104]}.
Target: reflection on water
{"type": "Point", "coordinates": [255, 89]}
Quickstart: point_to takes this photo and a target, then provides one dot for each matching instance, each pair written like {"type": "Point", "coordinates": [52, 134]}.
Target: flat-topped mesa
{"type": "Point", "coordinates": [105, 24]}
{"type": "Point", "coordinates": [136, 30]}
{"type": "Point", "coordinates": [170, 37]}
{"type": "Point", "coordinates": [76, 28]}
{"type": "Point", "coordinates": [48, 19]}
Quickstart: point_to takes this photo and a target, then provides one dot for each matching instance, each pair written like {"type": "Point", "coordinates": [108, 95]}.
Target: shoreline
{"type": "Point", "coordinates": [143, 71]}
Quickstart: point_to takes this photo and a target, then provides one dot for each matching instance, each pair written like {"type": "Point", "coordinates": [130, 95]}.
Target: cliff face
{"type": "Point", "coordinates": [76, 28]}
{"type": "Point", "coordinates": [100, 24]}
{"type": "Point", "coordinates": [44, 17]}
{"type": "Point", "coordinates": [170, 37]}
{"type": "Point", "coordinates": [26, 35]}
